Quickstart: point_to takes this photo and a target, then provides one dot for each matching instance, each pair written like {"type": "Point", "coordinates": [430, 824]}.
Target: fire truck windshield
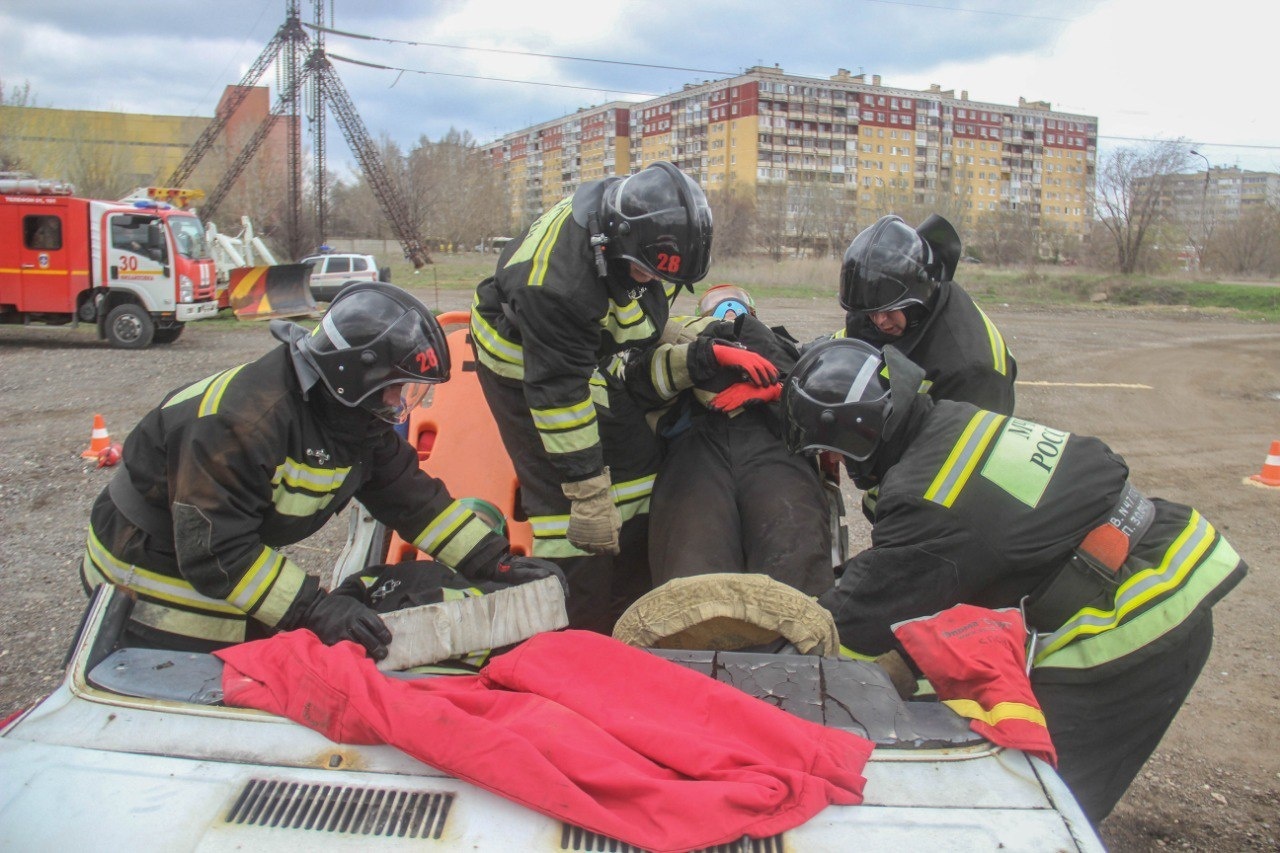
{"type": "Point", "coordinates": [189, 237]}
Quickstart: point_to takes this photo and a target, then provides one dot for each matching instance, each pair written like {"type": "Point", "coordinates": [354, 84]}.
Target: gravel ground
{"type": "Point", "coordinates": [1204, 421]}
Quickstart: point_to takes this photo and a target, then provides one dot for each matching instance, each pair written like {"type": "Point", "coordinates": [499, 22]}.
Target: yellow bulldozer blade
{"type": "Point", "coordinates": [279, 290]}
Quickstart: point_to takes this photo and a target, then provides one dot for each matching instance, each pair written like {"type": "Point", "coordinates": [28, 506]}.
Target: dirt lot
{"type": "Point", "coordinates": [1202, 418]}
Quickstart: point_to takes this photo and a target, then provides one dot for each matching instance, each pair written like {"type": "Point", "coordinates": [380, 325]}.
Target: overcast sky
{"type": "Point", "coordinates": [1148, 69]}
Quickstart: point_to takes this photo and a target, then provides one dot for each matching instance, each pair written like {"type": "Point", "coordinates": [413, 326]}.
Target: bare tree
{"type": "Point", "coordinates": [771, 219]}
{"type": "Point", "coordinates": [1005, 237]}
{"type": "Point", "coordinates": [1132, 187]}
{"type": "Point", "coordinates": [1249, 245]}
{"type": "Point", "coordinates": [733, 215]}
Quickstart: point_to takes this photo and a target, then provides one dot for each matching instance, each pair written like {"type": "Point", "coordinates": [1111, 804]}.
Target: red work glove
{"type": "Point", "coordinates": [758, 369]}
{"type": "Point", "coordinates": [742, 394]}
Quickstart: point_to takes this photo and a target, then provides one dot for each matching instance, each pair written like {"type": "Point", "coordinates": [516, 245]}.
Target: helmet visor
{"type": "Point", "coordinates": [869, 295]}
{"type": "Point", "coordinates": [394, 403]}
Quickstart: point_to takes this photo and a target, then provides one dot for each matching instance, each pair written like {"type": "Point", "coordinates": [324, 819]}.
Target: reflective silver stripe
{"type": "Point", "coordinates": [631, 490]}
{"type": "Point", "coordinates": [288, 583]}
{"type": "Point", "coordinates": [153, 584]}
{"type": "Point", "coordinates": [218, 629]}
{"type": "Point", "coordinates": [302, 476]}
{"type": "Point", "coordinates": [564, 417]}
{"type": "Point", "coordinates": [964, 456]}
{"type": "Point", "coordinates": [331, 329]}
{"type": "Point", "coordinates": [256, 579]}
{"type": "Point", "coordinates": [1150, 625]}
{"type": "Point", "coordinates": [489, 338]}
{"type": "Point", "coordinates": [471, 534]}
{"type": "Point", "coordinates": [669, 370]}
{"type": "Point", "coordinates": [868, 372]}
{"type": "Point", "coordinates": [550, 538]}
{"type": "Point", "coordinates": [626, 315]}
{"type": "Point", "coordinates": [442, 527]}
{"type": "Point", "coordinates": [582, 438]}
{"type": "Point", "coordinates": [1144, 586]}
{"type": "Point", "coordinates": [502, 368]}
{"type": "Point", "coordinates": [549, 525]}
{"type": "Point", "coordinates": [999, 352]}
{"type": "Point", "coordinates": [212, 398]}
{"type": "Point", "coordinates": [299, 504]}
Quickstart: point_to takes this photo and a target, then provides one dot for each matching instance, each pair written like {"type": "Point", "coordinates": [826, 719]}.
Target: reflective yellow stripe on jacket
{"type": "Point", "coordinates": [265, 592]}
{"type": "Point", "coordinates": [999, 350]}
{"type": "Point", "coordinates": [955, 472]}
{"type": "Point", "coordinates": [566, 429]}
{"type": "Point", "coordinates": [1192, 568]}
{"type": "Point", "coordinates": [302, 490]}
{"type": "Point", "coordinates": [452, 534]}
{"type": "Point", "coordinates": [503, 357]}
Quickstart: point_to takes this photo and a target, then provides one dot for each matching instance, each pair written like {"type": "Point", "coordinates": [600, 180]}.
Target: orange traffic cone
{"type": "Point", "coordinates": [1270, 474]}
{"type": "Point", "coordinates": [99, 440]}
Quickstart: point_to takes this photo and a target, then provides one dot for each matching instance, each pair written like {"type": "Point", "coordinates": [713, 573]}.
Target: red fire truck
{"type": "Point", "coordinates": [139, 268]}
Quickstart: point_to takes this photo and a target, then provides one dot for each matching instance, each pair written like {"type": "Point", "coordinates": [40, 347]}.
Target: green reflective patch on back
{"type": "Point", "coordinates": [1024, 458]}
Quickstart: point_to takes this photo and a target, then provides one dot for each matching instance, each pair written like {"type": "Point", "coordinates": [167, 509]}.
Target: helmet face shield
{"type": "Point", "coordinates": [870, 295]}
{"type": "Point", "coordinates": [394, 403]}
{"type": "Point", "coordinates": [835, 399]}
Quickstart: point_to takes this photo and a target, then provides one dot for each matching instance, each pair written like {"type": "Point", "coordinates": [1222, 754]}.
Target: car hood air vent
{"type": "Point", "coordinates": [341, 808]}
{"type": "Point", "coordinates": [577, 838]}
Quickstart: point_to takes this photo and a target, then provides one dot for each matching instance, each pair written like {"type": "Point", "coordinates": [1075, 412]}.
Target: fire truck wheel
{"type": "Point", "coordinates": [128, 326]}
{"type": "Point", "coordinates": [169, 335]}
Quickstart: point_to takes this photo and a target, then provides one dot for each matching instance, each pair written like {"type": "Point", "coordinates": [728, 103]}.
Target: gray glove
{"type": "Point", "coordinates": [594, 520]}
{"type": "Point", "coordinates": [340, 617]}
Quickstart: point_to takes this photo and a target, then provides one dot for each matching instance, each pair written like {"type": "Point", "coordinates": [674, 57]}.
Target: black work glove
{"type": "Point", "coordinates": [515, 569]}
{"type": "Point", "coordinates": [340, 617]}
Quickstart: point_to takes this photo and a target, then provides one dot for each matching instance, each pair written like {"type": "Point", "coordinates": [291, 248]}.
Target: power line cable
{"type": "Point", "coordinates": [1198, 144]}
{"type": "Point", "coordinates": [379, 66]}
{"type": "Point", "coordinates": [363, 37]}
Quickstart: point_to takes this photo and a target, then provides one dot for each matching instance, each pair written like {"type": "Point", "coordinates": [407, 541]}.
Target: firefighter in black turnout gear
{"type": "Point", "coordinates": [896, 287]}
{"type": "Point", "coordinates": [986, 509]}
{"type": "Point", "coordinates": [228, 469]}
{"type": "Point", "coordinates": [729, 497]}
{"type": "Point", "coordinates": [591, 277]}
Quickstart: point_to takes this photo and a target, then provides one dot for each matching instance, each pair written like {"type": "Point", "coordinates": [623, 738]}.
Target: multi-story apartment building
{"type": "Point", "coordinates": [843, 146]}
{"type": "Point", "coordinates": [1222, 194]}
{"type": "Point", "coordinates": [544, 163]}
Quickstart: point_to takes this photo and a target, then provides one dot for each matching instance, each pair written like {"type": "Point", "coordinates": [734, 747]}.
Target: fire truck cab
{"type": "Point", "coordinates": [139, 268]}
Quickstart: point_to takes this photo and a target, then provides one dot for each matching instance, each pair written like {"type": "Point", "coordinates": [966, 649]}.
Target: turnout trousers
{"type": "Point", "coordinates": [1105, 725]}
{"type": "Point", "coordinates": [730, 498]}
{"type": "Point", "coordinates": [601, 586]}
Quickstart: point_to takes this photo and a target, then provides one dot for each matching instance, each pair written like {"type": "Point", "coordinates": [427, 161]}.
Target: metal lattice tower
{"type": "Point", "coordinates": [301, 61]}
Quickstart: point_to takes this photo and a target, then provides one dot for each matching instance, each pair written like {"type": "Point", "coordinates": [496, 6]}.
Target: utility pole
{"type": "Point", "coordinates": [1204, 208]}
